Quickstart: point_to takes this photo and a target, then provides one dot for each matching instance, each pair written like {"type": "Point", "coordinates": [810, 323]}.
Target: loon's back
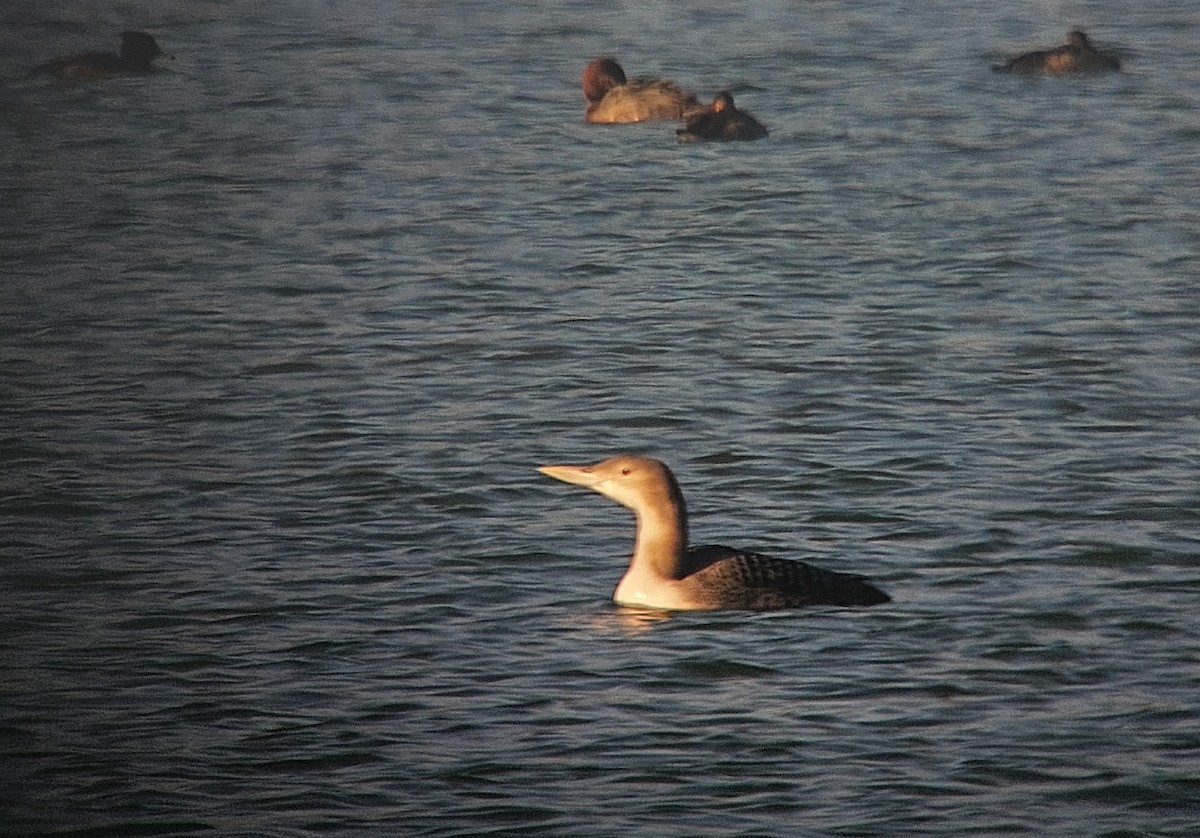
{"type": "Point", "coordinates": [730, 578]}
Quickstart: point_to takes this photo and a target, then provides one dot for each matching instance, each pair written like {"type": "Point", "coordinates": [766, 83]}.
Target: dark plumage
{"type": "Point", "coordinates": [721, 121]}
{"type": "Point", "coordinates": [138, 50]}
{"type": "Point", "coordinates": [756, 582]}
{"type": "Point", "coordinates": [1077, 55]}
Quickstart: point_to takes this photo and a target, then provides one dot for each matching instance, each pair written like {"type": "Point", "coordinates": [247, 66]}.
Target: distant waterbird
{"type": "Point", "coordinates": [721, 121]}
{"type": "Point", "coordinates": [138, 50]}
{"type": "Point", "coordinates": [612, 98]}
{"type": "Point", "coordinates": [1075, 56]}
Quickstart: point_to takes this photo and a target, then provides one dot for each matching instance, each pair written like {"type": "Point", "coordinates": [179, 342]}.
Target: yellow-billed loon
{"type": "Point", "coordinates": [666, 573]}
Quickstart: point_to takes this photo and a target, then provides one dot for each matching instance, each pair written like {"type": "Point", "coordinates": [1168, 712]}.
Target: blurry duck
{"type": "Point", "coordinates": [721, 121]}
{"type": "Point", "coordinates": [667, 574]}
{"type": "Point", "coordinates": [610, 98]}
{"type": "Point", "coordinates": [1077, 55]}
{"type": "Point", "coordinates": [137, 51]}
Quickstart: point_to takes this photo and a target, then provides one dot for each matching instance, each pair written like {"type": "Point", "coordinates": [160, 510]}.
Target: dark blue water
{"type": "Point", "coordinates": [286, 326]}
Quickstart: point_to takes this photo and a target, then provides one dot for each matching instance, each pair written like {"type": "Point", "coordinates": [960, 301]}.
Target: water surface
{"type": "Point", "coordinates": [286, 327]}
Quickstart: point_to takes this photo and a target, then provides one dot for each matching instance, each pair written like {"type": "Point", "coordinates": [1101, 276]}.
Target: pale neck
{"type": "Point", "coordinates": [661, 540]}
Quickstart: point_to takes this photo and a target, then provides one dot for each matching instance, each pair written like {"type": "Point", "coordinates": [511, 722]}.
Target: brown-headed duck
{"type": "Point", "coordinates": [721, 121]}
{"type": "Point", "coordinates": [137, 51]}
{"type": "Point", "coordinates": [610, 98]}
{"type": "Point", "coordinates": [1077, 55]}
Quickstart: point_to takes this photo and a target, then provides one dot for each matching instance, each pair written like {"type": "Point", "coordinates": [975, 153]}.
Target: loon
{"type": "Point", "coordinates": [665, 573]}
{"type": "Point", "coordinates": [138, 49]}
{"type": "Point", "coordinates": [1077, 55]}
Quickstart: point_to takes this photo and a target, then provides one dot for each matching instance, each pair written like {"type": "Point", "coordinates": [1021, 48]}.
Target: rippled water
{"type": "Point", "coordinates": [285, 328]}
